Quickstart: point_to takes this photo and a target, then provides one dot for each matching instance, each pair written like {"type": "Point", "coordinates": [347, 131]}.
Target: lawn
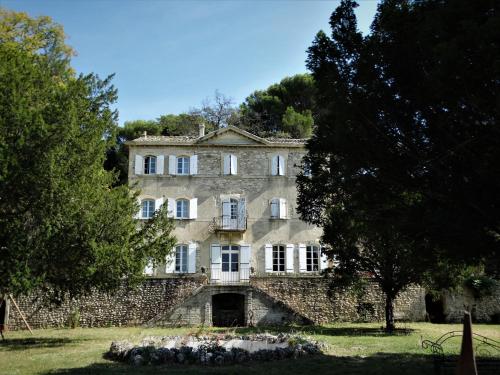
{"type": "Point", "coordinates": [353, 349]}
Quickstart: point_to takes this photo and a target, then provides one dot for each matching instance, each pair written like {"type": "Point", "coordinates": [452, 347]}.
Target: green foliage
{"type": "Point", "coordinates": [64, 228]}
{"type": "Point", "coordinates": [298, 125]}
{"type": "Point", "coordinates": [406, 145]}
{"type": "Point", "coordinates": [480, 285]}
{"type": "Point", "coordinates": [74, 319]}
{"type": "Point", "coordinates": [264, 111]}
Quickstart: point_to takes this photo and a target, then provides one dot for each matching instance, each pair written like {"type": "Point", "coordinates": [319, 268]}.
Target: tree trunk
{"type": "Point", "coordinates": [389, 313]}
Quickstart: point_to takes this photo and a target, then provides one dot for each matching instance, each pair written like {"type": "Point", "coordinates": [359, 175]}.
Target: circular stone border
{"type": "Point", "coordinates": [213, 349]}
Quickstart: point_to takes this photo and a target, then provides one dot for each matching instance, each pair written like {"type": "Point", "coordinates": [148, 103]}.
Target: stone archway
{"type": "Point", "coordinates": [228, 310]}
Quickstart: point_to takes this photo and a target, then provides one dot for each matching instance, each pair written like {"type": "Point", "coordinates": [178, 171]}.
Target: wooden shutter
{"type": "Point", "coordinates": [171, 207]}
{"type": "Point", "coordinates": [274, 165]}
{"type": "Point", "coordinates": [289, 257]}
{"type": "Point", "coordinates": [245, 254]}
{"type": "Point", "coordinates": [160, 164]}
{"type": "Point", "coordinates": [158, 203]}
{"type": "Point", "coordinates": [172, 165]}
{"type": "Point", "coordinates": [192, 258]}
{"type": "Point", "coordinates": [193, 165]}
{"type": "Point", "coordinates": [275, 208]}
{"type": "Point", "coordinates": [193, 208]}
{"type": "Point", "coordinates": [226, 213]}
{"type": "Point", "coordinates": [323, 263]}
{"type": "Point", "coordinates": [234, 165]}
{"type": "Point", "coordinates": [282, 208]}
{"type": "Point", "coordinates": [149, 269]}
{"type": "Point", "coordinates": [242, 213]}
{"type": "Point", "coordinates": [281, 163]}
{"type": "Point", "coordinates": [139, 165]}
{"type": "Point", "coordinates": [216, 262]}
{"type": "Point", "coordinates": [227, 158]}
{"type": "Point", "coordinates": [302, 258]}
{"type": "Point", "coordinates": [269, 257]}
{"type": "Point", "coordinates": [170, 262]}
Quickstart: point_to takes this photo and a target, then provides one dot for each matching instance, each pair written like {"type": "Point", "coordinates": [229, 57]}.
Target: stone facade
{"type": "Point", "coordinates": [483, 309]}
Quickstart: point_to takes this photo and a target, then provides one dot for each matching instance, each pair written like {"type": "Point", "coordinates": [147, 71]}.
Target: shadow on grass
{"type": "Point", "coordinates": [35, 342]}
{"type": "Point", "coordinates": [380, 363]}
{"type": "Point", "coordinates": [318, 330]}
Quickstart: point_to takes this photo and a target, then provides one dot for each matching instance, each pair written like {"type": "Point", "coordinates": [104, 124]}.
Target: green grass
{"type": "Point", "coordinates": [353, 349]}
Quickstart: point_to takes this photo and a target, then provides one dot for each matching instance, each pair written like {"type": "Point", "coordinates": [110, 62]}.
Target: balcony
{"type": "Point", "coordinates": [230, 223]}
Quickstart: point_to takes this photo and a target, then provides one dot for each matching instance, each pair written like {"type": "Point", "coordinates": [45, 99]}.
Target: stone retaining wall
{"type": "Point", "coordinates": [315, 299]}
{"type": "Point", "coordinates": [125, 307]}
{"type": "Point", "coordinates": [484, 309]}
{"type": "Point", "coordinates": [186, 299]}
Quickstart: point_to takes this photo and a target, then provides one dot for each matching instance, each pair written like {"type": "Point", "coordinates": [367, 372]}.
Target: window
{"type": "Point", "coordinates": [230, 258]}
{"type": "Point", "coordinates": [181, 258]}
{"type": "Point", "coordinates": [234, 208]}
{"type": "Point", "coordinates": [278, 208]}
{"type": "Point", "coordinates": [150, 165]}
{"type": "Point", "coordinates": [182, 209]}
{"type": "Point", "coordinates": [230, 164]}
{"type": "Point", "coordinates": [183, 165]}
{"type": "Point", "coordinates": [307, 169]}
{"type": "Point", "coordinates": [279, 258]}
{"type": "Point", "coordinates": [278, 165]}
{"type": "Point", "coordinates": [312, 258]}
{"type": "Point", "coordinates": [147, 208]}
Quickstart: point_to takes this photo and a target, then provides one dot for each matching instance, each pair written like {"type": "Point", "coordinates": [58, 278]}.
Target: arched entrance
{"type": "Point", "coordinates": [228, 310]}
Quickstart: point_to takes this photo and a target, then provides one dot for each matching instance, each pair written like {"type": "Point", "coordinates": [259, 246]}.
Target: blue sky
{"type": "Point", "coordinates": [170, 55]}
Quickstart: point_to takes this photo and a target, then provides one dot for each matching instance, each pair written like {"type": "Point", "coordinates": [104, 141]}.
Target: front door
{"type": "Point", "coordinates": [230, 264]}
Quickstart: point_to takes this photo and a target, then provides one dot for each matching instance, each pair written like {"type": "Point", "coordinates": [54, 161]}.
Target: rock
{"type": "Point", "coordinates": [219, 360]}
{"type": "Point", "coordinates": [138, 360]}
{"type": "Point", "coordinates": [180, 357]}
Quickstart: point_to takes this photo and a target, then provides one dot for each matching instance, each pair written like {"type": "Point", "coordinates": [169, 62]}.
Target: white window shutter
{"type": "Point", "coordinates": [283, 210]}
{"type": "Point", "coordinates": [193, 165]}
{"type": "Point", "coordinates": [227, 157]}
{"type": "Point", "coordinates": [138, 214]}
{"type": "Point", "coordinates": [193, 208]}
{"type": "Point", "coordinates": [242, 213]}
{"type": "Point", "coordinates": [245, 251]}
{"type": "Point", "coordinates": [158, 203]}
{"type": "Point", "coordinates": [281, 169]}
{"type": "Point", "coordinates": [274, 165]}
{"type": "Point", "coordinates": [172, 165]}
{"type": "Point", "coordinates": [160, 164]}
{"type": "Point", "coordinates": [269, 257]}
{"type": "Point", "coordinates": [171, 207]}
{"type": "Point", "coordinates": [148, 270]}
{"type": "Point", "coordinates": [192, 258]}
{"type": "Point", "coordinates": [170, 262]}
{"type": "Point", "coordinates": [216, 262]}
{"type": "Point", "coordinates": [275, 208]}
{"type": "Point", "coordinates": [323, 261]}
{"type": "Point", "coordinates": [234, 165]}
{"type": "Point", "coordinates": [289, 257]}
{"type": "Point", "coordinates": [139, 165]}
{"type": "Point", "coordinates": [302, 258]}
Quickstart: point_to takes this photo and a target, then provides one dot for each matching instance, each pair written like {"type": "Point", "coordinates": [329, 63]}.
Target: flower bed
{"type": "Point", "coordinates": [213, 349]}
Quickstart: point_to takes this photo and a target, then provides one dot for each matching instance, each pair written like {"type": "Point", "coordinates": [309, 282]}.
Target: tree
{"type": "Point", "coordinates": [38, 35]}
{"type": "Point", "coordinates": [264, 111]}
{"type": "Point", "coordinates": [298, 125]}
{"type": "Point", "coordinates": [218, 112]}
{"type": "Point", "coordinates": [64, 228]}
{"type": "Point", "coordinates": [406, 142]}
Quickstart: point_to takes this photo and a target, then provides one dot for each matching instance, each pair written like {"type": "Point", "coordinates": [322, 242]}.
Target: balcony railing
{"type": "Point", "coordinates": [228, 223]}
{"type": "Point", "coordinates": [239, 277]}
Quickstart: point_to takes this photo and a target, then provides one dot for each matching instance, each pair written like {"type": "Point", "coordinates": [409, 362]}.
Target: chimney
{"type": "Point", "coordinates": [202, 130]}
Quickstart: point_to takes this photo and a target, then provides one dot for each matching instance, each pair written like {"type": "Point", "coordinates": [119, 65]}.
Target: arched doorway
{"type": "Point", "coordinates": [228, 310]}
{"type": "Point", "coordinates": [434, 308]}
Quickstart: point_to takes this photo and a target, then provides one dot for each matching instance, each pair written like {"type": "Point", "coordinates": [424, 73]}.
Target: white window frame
{"type": "Point", "coordinates": [310, 259]}
{"type": "Point", "coordinates": [149, 211]}
{"type": "Point", "coordinates": [184, 210]}
{"type": "Point", "coordinates": [147, 164]}
{"type": "Point", "coordinates": [279, 208]}
{"type": "Point", "coordinates": [279, 260]}
{"type": "Point", "coordinates": [181, 258]}
{"type": "Point", "coordinates": [185, 162]}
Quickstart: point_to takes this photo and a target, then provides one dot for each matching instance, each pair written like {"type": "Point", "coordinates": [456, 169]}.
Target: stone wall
{"type": "Point", "coordinates": [126, 307]}
{"type": "Point", "coordinates": [484, 309]}
{"type": "Point", "coordinates": [187, 301]}
{"type": "Point", "coordinates": [316, 300]}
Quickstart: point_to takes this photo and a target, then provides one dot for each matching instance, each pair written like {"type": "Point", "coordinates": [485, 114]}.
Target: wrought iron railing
{"type": "Point", "coordinates": [217, 276]}
{"type": "Point", "coordinates": [230, 223]}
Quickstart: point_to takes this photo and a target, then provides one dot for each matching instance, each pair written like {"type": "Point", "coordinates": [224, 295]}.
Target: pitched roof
{"type": "Point", "coordinates": [162, 140]}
